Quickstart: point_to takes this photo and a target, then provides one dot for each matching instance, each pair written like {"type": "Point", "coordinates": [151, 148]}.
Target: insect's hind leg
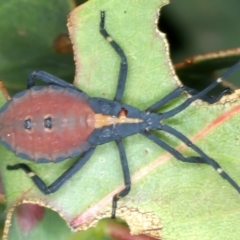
{"type": "Point", "coordinates": [172, 151]}
{"type": "Point", "coordinates": [126, 176]}
{"type": "Point", "coordinates": [202, 155]}
{"type": "Point", "coordinates": [203, 158]}
{"type": "Point", "coordinates": [123, 65]}
{"type": "Point", "coordinates": [59, 181]}
{"type": "Point", "coordinates": [49, 79]}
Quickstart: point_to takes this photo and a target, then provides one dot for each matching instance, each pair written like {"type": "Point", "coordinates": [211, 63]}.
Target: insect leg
{"type": "Point", "coordinates": [47, 78]}
{"type": "Point", "coordinates": [171, 150]}
{"type": "Point", "coordinates": [210, 99]}
{"type": "Point", "coordinates": [199, 95]}
{"type": "Point", "coordinates": [172, 95]}
{"type": "Point", "coordinates": [59, 181]}
{"type": "Point", "coordinates": [204, 156]}
{"type": "Point", "coordinates": [178, 91]}
{"type": "Point", "coordinates": [123, 65]}
{"type": "Point", "coordinates": [126, 176]}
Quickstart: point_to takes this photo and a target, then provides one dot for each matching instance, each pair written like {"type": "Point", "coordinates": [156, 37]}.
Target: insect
{"type": "Point", "coordinates": [59, 121]}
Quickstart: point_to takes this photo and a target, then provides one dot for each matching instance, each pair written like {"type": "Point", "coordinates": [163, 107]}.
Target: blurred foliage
{"type": "Point", "coordinates": [29, 31]}
{"type": "Point", "coordinates": [201, 26]}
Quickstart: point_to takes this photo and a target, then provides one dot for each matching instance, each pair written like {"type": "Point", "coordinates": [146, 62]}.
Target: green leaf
{"type": "Point", "coordinates": [168, 199]}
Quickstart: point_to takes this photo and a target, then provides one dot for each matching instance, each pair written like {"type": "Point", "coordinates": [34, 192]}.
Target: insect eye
{"type": "Point", "coordinates": [48, 122]}
{"type": "Point", "coordinates": [27, 124]}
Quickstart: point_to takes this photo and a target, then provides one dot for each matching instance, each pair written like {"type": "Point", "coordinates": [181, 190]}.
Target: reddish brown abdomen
{"type": "Point", "coordinates": [72, 121]}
